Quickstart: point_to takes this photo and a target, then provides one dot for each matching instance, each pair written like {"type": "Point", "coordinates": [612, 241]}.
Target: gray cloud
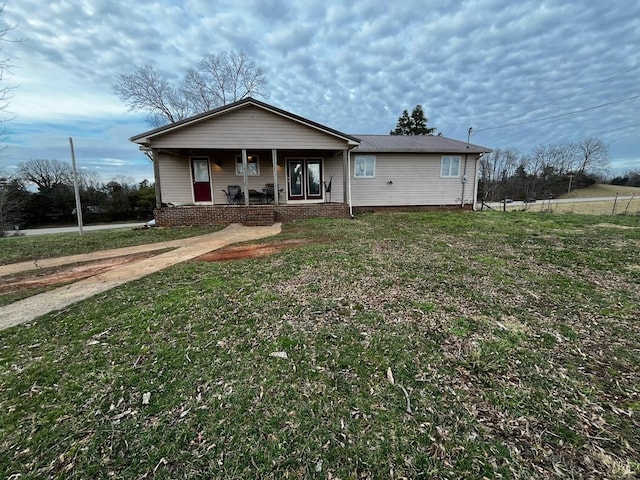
{"type": "Point", "coordinates": [482, 63]}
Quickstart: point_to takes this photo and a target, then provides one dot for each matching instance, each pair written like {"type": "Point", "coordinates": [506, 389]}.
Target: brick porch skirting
{"type": "Point", "coordinates": [411, 208]}
{"type": "Point", "coordinates": [226, 214]}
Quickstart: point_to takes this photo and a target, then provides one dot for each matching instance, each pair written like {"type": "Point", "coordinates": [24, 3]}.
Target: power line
{"type": "Point", "coordinates": [552, 117]}
{"type": "Point", "coordinates": [618, 129]}
{"type": "Point", "coordinates": [552, 102]}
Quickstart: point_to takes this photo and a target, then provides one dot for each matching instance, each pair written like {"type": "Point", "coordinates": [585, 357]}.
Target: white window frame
{"type": "Point", "coordinates": [449, 173]}
{"type": "Point", "coordinates": [359, 172]}
{"type": "Point", "coordinates": [250, 161]}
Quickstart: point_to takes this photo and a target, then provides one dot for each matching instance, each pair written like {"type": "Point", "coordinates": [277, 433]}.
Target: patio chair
{"type": "Point", "coordinates": [269, 192]}
{"type": "Point", "coordinates": [233, 194]}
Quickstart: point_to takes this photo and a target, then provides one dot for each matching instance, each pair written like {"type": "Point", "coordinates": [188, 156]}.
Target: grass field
{"type": "Point", "coordinates": [422, 345]}
{"type": "Point", "coordinates": [609, 207]}
{"type": "Point", "coordinates": [601, 190]}
{"type": "Point", "coordinates": [18, 249]}
{"type": "Point", "coordinates": [627, 206]}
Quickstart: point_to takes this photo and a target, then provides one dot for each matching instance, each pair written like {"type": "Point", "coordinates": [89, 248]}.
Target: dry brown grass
{"type": "Point", "coordinates": [600, 190]}
{"type": "Point", "coordinates": [610, 207]}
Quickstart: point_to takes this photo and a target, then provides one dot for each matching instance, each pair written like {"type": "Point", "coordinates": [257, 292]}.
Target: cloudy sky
{"type": "Point", "coordinates": [525, 73]}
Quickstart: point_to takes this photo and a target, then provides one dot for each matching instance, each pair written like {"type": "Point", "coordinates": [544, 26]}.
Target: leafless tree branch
{"type": "Point", "coordinates": [217, 79]}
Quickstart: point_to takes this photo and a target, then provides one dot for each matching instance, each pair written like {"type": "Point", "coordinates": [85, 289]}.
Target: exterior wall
{"type": "Point", "coordinates": [225, 215]}
{"type": "Point", "coordinates": [415, 181]}
{"type": "Point", "coordinates": [248, 127]}
{"type": "Point", "coordinates": [333, 167]}
{"type": "Point", "coordinates": [175, 175]}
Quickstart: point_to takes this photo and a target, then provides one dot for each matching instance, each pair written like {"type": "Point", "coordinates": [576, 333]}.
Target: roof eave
{"type": "Point", "coordinates": [413, 150]}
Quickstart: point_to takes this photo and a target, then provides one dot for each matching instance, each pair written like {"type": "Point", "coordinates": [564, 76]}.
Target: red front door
{"type": "Point", "coordinates": [201, 179]}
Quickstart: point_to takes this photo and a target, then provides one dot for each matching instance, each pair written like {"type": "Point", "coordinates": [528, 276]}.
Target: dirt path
{"type": "Point", "coordinates": [30, 308]}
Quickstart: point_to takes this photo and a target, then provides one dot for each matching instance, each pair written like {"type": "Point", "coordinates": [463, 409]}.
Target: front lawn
{"type": "Point", "coordinates": [35, 247]}
{"type": "Point", "coordinates": [407, 345]}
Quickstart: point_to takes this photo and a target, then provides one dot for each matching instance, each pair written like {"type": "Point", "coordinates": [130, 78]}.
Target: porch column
{"type": "Point", "coordinates": [274, 163]}
{"type": "Point", "coordinates": [245, 171]}
{"type": "Point", "coordinates": [156, 176]}
{"type": "Point", "coordinates": [347, 154]}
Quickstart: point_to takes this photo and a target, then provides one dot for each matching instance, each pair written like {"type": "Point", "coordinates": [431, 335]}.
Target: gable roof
{"type": "Point", "coordinates": [145, 137]}
{"type": "Point", "coordinates": [415, 144]}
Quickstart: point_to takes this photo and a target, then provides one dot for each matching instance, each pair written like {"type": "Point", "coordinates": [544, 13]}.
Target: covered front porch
{"type": "Point", "coordinates": [249, 176]}
{"type": "Point", "coordinates": [249, 186]}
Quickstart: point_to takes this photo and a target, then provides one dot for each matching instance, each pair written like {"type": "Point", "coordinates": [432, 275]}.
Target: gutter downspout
{"type": "Point", "coordinates": [475, 182]}
{"type": "Point", "coordinates": [464, 179]}
{"type": "Point", "coordinates": [464, 171]}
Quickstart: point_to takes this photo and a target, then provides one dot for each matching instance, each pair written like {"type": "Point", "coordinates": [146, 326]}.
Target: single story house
{"type": "Point", "coordinates": [253, 163]}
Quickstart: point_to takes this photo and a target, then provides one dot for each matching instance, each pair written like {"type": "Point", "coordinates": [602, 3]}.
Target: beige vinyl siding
{"type": "Point", "coordinates": [175, 183]}
{"type": "Point", "coordinates": [248, 127]}
{"type": "Point", "coordinates": [416, 181]}
{"type": "Point", "coordinates": [334, 166]}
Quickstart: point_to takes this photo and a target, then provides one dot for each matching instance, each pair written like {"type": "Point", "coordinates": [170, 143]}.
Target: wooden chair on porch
{"type": "Point", "coordinates": [233, 194]}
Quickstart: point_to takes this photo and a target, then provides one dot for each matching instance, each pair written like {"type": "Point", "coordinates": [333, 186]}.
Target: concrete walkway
{"type": "Point", "coordinates": [185, 249]}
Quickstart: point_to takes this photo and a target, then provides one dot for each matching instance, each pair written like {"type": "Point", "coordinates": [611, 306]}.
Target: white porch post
{"type": "Point", "coordinates": [274, 163]}
{"type": "Point", "coordinates": [156, 177]}
{"type": "Point", "coordinates": [348, 177]}
{"type": "Point", "coordinates": [245, 171]}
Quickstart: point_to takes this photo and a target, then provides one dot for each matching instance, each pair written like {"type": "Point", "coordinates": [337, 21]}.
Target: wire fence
{"type": "Point", "coordinates": [616, 206]}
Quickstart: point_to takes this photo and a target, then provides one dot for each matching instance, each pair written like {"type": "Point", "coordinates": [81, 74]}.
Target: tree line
{"type": "Point", "coordinates": [547, 171]}
{"type": "Point", "coordinates": [41, 192]}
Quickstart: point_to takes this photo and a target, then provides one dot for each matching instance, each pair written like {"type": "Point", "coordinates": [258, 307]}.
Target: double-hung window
{"type": "Point", "coordinates": [450, 167]}
{"type": "Point", "coordinates": [253, 165]}
{"type": "Point", "coordinates": [364, 166]}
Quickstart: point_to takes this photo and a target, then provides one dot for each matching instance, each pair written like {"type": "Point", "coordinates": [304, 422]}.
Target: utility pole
{"type": "Point", "coordinates": [570, 180]}
{"type": "Point", "coordinates": [75, 187]}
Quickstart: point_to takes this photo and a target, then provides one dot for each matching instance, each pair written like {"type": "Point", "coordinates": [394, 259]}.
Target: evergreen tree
{"type": "Point", "coordinates": [414, 124]}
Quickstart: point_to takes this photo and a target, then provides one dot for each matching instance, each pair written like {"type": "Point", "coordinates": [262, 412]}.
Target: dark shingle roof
{"type": "Point", "coordinates": [415, 143]}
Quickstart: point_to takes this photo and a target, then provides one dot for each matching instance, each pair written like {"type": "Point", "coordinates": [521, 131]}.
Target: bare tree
{"type": "Point", "coordinates": [147, 90]}
{"type": "Point", "coordinates": [5, 90]}
{"type": "Point", "coordinates": [217, 80]}
{"type": "Point", "coordinates": [496, 168]}
{"type": "Point", "coordinates": [594, 155]}
{"type": "Point", "coordinates": [500, 164]}
{"type": "Point", "coordinates": [223, 78]}
{"type": "Point", "coordinates": [46, 173]}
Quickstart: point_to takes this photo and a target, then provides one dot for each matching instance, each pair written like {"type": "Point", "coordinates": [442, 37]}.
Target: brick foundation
{"type": "Point", "coordinates": [227, 214]}
{"type": "Point", "coordinates": [411, 208]}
